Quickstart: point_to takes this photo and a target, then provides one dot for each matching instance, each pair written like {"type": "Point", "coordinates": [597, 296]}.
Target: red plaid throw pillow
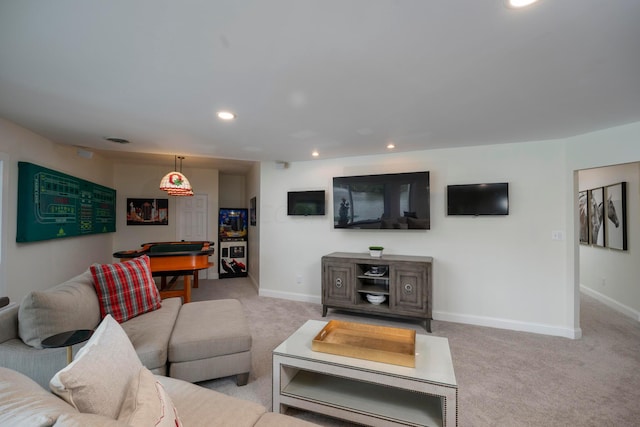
{"type": "Point", "coordinates": [125, 289]}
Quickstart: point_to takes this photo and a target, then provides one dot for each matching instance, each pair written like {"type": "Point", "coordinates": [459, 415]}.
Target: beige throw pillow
{"type": "Point", "coordinates": [66, 307]}
{"type": "Point", "coordinates": [148, 404]}
{"type": "Point", "coordinates": [97, 380]}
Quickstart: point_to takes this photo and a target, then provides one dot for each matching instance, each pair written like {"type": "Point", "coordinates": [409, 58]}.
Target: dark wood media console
{"type": "Point", "coordinates": [404, 281]}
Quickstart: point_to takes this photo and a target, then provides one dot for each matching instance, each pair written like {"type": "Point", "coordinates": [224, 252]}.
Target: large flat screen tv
{"type": "Point", "coordinates": [478, 199]}
{"type": "Point", "coordinates": [396, 201]}
{"type": "Point", "coordinates": [305, 202]}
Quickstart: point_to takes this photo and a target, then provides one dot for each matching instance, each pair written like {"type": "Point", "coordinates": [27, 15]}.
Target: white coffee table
{"type": "Point", "coordinates": [362, 391]}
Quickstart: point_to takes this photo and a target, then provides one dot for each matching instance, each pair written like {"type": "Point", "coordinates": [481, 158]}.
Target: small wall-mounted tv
{"type": "Point", "coordinates": [306, 203]}
{"type": "Point", "coordinates": [396, 201]}
{"type": "Point", "coordinates": [478, 199]}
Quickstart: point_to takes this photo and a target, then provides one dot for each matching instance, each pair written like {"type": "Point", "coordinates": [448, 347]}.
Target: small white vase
{"type": "Point", "coordinates": [375, 253]}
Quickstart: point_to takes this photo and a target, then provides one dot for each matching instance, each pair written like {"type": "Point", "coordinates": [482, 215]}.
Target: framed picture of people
{"type": "Point", "coordinates": [147, 211]}
{"type": "Point", "coordinates": [596, 216]}
{"type": "Point", "coordinates": [616, 216]}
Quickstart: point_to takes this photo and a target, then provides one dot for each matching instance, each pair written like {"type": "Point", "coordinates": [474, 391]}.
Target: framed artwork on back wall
{"type": "Point", "coordinates": [596, 216]}
{"type": "Point", "coordinates": [615, 211]}
{"type": "Point", "coordinates": [583, 210]}
{"type": "Point", "coordinates": [253, 213]}
{"type": "Point", "coordinates": [147, 211]}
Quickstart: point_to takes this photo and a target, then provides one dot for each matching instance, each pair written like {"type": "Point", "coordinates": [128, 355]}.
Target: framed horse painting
{"type": "Point", "coordinates": [583, 210]}
{"type": "Point", "coordinates": [596, 215]}
{"type": "Point", "coordinates": [616, 216]}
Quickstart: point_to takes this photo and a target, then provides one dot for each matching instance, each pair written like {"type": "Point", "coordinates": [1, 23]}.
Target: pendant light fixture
{"type": "Point", "coordinates": [175, 183]}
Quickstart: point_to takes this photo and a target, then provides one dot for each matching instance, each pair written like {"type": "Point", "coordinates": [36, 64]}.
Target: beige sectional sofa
{"type": "Point", "coordinates": [107, 385]}
{"type": "Point", "coordinates": [74, 305]}
{"type": "Point", "coordinates": [25, 403]}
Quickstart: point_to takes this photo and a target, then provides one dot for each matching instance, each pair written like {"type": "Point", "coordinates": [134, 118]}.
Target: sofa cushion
{"type": "Point", "coordinates": [200, 406]}
{"type": "Point", "coordinates": [148, 404]}
{"type": "Point", "coordinates": [193, 340]}
{"type": "Point", "coordinates": [24, 403]}
{"type": "Point", "coordinates": [150, 333]}
{"type": "Point", "coordinates": [97, 380]}
{"type": "Point", "coordinates": [83, 420]}
{"type": "Point", "coordinates": [66, 307]}
{"type": "Point", "coordinates": [126, 289]}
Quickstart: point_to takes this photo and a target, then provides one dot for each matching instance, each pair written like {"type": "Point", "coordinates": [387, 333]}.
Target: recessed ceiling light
{"type": "Point", "coordinates": [226, 115]}
{"type": "Point", "coordinates": [518, 4]}
{"type": "Point", "coordinates": [391, 146]}
{"type": "Point", "coordinates": [315, 153]}
{"type": "Point", "coordinates": [117, 140]}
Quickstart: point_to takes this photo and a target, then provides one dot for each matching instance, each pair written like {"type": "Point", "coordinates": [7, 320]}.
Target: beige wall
{"type": "Point", "coordinates": [141, 181]}
{"type": "Point", "coordinates": [504, 272]}
{"type": "Point", "coordinates": [494, 271]}
{"type": "Point", "coordinates": [607, 147]}
{"type": "Point", "coordinates": [39, 265]}
{"type": "Point", "coordinates": [232, 191]}
{"type": "Point", "coordinates": [253, 190]}
{"type": "Point", "coordinates": [607, 274]}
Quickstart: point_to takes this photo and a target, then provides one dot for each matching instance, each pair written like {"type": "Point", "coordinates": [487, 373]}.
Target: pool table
{"type": "Point", "coordinates": [175, 259]}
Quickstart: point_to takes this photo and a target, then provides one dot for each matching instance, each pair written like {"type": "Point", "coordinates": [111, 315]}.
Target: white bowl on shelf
{"type": "Point", "coordinates": [375, 253]}
{"type": "Point", "coordinates": [376, 299]}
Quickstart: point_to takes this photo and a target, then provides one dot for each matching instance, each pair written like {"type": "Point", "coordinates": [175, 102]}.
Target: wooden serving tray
{"type": "Point", "coordinates": [396, 346]}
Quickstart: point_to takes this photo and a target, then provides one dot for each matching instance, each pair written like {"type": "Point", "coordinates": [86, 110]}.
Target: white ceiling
{"type": "Point", "coordinates": [343, 77]}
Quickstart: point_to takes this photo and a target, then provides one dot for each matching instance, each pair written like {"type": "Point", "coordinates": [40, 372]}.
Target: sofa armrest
{"type": "Point", "coordinates": [8, 323]}
{"type": "Point", "coordinates": [39, 365]}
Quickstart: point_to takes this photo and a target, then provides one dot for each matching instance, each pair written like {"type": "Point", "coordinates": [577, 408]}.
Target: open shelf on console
{"type": "Point", "coordinates": [388, 403]}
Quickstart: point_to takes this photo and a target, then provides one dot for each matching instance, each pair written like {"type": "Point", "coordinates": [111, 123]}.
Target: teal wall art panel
{"type": "Point", "coordinates": [54, 205]}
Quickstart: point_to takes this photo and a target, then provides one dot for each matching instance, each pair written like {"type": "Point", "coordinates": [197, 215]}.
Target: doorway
{"type": "Point", "coordinates": [606, 271]}
{"type": "Point", "coordinates": [192, 220]}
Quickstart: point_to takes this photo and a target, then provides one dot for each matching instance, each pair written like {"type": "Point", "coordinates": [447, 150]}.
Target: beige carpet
{"type": "Point", "coordinates": [505, 378]}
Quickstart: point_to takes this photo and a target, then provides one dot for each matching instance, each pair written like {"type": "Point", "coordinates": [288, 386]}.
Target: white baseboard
{"type": "Point", "coordinates": [254, 282]}
{"type": "Point", "coordinates": [456, 318]}
{"type": "Point", "coordinates": [610, 302]}
{"type": "Point", "coordinates": [290, 296]}
{"type": "Point", "coordinates": [513, 325]}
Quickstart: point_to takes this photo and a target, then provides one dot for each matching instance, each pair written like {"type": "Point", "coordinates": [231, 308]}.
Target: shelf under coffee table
{"type": "Point", "coordinates": [363, 391]}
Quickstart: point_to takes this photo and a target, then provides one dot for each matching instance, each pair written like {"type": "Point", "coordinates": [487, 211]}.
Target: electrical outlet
{"type": "Point", "coordinates": [557, 235]}
{"type": "Point", "coordinates": [299, 279]}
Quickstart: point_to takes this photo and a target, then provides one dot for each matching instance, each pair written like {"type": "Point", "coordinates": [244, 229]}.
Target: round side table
{"type": "Point", "coordinates": [67, 339]}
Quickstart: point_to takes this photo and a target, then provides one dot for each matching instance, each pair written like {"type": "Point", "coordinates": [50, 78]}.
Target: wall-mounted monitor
{"type": "Point", "coordinates": [306, 203]}
{"type": "Point", "coordinates": [478, 199]}
{"type": "Point", "coordinates": [396, 201]}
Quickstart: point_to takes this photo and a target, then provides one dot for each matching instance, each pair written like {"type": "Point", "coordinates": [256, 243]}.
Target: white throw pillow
{"type": "Point", "coordinates": [96, 382]}
{"type": "Point", "coordinates": [148, 404]}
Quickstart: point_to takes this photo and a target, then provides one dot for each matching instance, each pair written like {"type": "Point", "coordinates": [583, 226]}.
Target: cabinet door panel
{"type": "Point", "coordinates": [338, 286]}
{"type": "Point", "coordinates": [409, 289]}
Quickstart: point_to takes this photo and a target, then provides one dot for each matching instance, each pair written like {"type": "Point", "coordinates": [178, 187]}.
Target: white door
{"type": "Point", "coordinates": [192, 220]}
